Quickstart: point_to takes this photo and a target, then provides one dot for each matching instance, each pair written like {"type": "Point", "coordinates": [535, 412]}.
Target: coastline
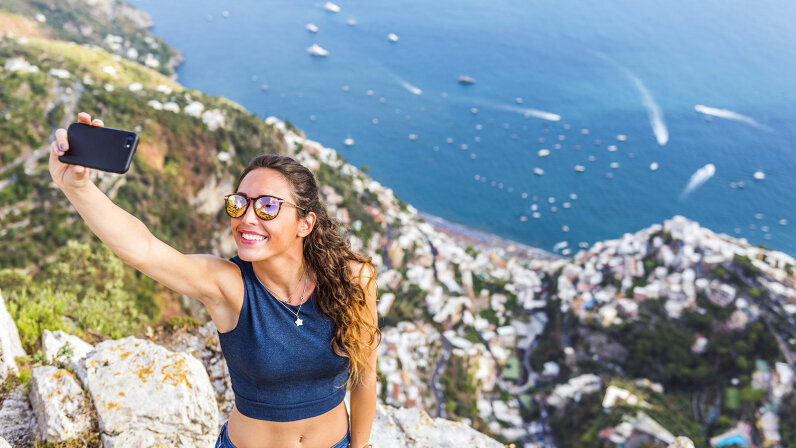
{"type": "Point", "coordinates": [483, 240]}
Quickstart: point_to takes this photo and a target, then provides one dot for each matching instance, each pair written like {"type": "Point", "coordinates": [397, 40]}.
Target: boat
{"type": "Point", "coordinates": [653, 166]}
{"type": "Point", "coordinates": [264, 87]}
{"type": "Point", "coordinates": [580, 168]}
{"type": "Point", "coordinates": [621, 137]}
{"type": "Point", "coordinates": [544, 152]}
{"type": "Point", "coordinates": [317, 50]}
{"type": "Point", "coordinates": [331, 7]}
{"type": "Point", "coordinates": [392, 37]}
{"type": "Point", "coordinates": [474, 111]}
{"type": "Point", "coordinates": [312, 28]}
{"type": "Point", "coordinates": [759, 175]}
{"type": "Point", "coordinates": [351, 22]}
{"type": "Point", "coordinates": [538, 171]}
{"type": "Point", "coordinates": [464, 79]}
{"type": "Point", "coordinates": [349, 141]}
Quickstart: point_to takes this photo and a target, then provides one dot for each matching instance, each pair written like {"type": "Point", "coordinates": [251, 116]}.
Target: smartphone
{"type": "Point", "coordinates": [102, 148]}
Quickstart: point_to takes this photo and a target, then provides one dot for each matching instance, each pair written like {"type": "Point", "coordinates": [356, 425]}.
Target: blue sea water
{"type": "Point", "coordinates": [601, 66]}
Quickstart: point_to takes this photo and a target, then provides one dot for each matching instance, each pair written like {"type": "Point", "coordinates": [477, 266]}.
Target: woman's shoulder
{"type": "Point", "coordinates": [361, 270]}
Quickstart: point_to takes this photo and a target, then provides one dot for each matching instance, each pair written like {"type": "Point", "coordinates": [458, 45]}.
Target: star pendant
{"type": "Point", "coordinates": [299, 322]}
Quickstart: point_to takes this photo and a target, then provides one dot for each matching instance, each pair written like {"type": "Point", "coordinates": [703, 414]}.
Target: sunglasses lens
{"type": "Point", "coordinates": [266, 207]}
{"type": "Point", "coordinates": [236, 205]}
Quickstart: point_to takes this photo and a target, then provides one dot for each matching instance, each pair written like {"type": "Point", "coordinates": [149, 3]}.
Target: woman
{"type": "Point", "coordinates": [295, 310]}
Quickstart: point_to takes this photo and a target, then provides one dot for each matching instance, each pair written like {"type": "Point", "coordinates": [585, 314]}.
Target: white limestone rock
{"type": "Point", "coordinates": [17, 421]}
{"type": "Point", "coordinates": [3, 443]}
{"type": "Point", "coordinates": [57, 400]}
{"type": "Point", "coordinates": [203, 344]}
{"type": "Point", "coordinates": [52, 341]}
{"type": "Point", "coordinates": [414, 428]}
{"type": "Point", "coordinates": [10, 345]}
{"type": "Point", "coordinates": [145, 393]}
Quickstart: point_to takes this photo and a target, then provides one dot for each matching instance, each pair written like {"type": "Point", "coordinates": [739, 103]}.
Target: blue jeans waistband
{"type": "Point", "coordinates": [224, 442]}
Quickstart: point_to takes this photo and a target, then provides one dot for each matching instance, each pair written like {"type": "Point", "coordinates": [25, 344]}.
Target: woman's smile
{"type": "Point", "coordinates": [249, 237]}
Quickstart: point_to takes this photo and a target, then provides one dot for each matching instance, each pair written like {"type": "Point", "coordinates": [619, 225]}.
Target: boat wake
{"type": "Point", "coordinates": [730, 115]}
{"type": "Point", "coordinates": [653, 109]}
{"type": "Point", "coordinates": [414, 90]}
{"type": "Point", "coordinates": [698, 178]}
{"type": "Point", "coordinates": [528, 112]}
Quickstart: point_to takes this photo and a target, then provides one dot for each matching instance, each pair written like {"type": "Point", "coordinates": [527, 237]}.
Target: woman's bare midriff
{"type": "Point", "coordinates": [322, 431]}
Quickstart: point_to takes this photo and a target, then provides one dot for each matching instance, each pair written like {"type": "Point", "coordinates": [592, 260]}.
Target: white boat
{"type": "Point", "coordinates": [312, 28]}
{"type": "Point", "coordinates": [538, 171]}
{"type": "Point", "coordinates": [317, 50]}
{"type": "Point", "coordinates": [759, 175]}
{"type": "Point", "coordinates": [580, 168]}
{"type": "Point", "coordinates": [464, 79]}
{"type": "Point", "coordinates": [351, 22]}
{"type": "Point", "coordinates": [544, 152]}
{"type": "Point", "coordinates": [264, 87]}
{"type": "Point", "coordinates": [392, 37]}
{"type": "Point", "coordinates": [621, 137]}
{"type": "Point", "coordinates": [474, 111]}
{"type": "Point", "coordinates": [349, 141]}
{"type": "Point", "coordinates": [653, 166]}
{"type": "Point", "coordinates": [331, 7]}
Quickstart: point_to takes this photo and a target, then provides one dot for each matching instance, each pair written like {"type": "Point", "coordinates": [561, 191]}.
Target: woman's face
{"type": "Point", "coordinates": [258, 239]}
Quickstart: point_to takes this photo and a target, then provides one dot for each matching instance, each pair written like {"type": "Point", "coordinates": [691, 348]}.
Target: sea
{"type": "Point", "coordinates": [583, 120]}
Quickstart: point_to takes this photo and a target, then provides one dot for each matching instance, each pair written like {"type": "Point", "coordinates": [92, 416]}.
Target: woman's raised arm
{"type": "Point", "coordinates": [197, 276]}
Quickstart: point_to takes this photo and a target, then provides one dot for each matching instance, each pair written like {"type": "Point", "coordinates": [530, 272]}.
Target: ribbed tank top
{"type": "Point", "coordinates": [279, 371]}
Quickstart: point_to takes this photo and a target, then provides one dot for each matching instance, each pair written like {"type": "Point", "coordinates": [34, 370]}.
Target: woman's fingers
{"type": "Point", "coordinates": [61, 144]}
{"type": "Point", "coordinates": [97, 122]}
{"type": "Point", "coordinates": [84, 118]}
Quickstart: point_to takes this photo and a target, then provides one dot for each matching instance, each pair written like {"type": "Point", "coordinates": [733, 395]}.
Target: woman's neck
{"type": "Point", "coordinates": [283, 277]}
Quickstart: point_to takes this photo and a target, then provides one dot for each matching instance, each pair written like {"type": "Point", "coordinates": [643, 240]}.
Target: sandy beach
{"type": "Point", "coordinates": [482, 240]}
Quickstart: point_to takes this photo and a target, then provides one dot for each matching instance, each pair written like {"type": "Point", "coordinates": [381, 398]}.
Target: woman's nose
{"type": "Point", "coordinates": [250, 217]}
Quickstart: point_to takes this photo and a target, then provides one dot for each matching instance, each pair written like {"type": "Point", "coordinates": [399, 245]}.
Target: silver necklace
{"type": "Point", "coordinates": [299, 322]}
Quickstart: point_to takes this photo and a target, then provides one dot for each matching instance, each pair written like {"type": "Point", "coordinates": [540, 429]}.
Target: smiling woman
{"type": "Point", "coordinates": [295, 309]}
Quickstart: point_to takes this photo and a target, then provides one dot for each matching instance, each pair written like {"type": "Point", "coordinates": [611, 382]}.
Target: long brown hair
{"type": "Point", "coordinates": [339, 293]}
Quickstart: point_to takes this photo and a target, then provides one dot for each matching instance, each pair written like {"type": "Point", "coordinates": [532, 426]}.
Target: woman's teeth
{"type": "Point", "coordinates": [251, 237]}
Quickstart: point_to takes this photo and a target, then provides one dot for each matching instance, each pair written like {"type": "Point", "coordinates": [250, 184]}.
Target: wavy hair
{"type": "Point", "coordinates": [340, 295]}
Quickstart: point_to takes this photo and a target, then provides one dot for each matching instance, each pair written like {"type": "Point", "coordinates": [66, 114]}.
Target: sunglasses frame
{"type": "Point", "coordinates": [249, 201]}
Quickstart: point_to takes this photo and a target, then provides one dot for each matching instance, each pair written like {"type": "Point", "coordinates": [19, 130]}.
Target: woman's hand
{"type": "Point", "coordinates": [64, 175]}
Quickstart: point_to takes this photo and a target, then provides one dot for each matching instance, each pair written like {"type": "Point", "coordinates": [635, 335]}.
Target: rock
{"type": "Point", "coordinates": [414, 428]}
{"type": "Point", "coordinates": [10, 345]}
{"type": "Point", "coordinates": [144, 392]}
{"type": "Point", "coordinates": [52, 341]}
{"type": "Point", "coordinates": [682, 442]}
{"type": "Point", "coordinates": [203, 344]}
{"type": "Point", "coordinates": [17, 420]}
{"type": "Point", "coordinates": [57, 400]}
{"type": "Point", "coordinates": [3, 443]}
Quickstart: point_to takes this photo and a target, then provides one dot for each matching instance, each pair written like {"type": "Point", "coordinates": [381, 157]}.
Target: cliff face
{"type": "Point", "coordinates": [135, 392]}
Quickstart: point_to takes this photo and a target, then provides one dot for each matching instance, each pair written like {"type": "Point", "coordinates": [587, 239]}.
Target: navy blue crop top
{"type": "Point", "coordinates": [279, 371]}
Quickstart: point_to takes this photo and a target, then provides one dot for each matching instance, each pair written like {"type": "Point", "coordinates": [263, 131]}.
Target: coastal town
{"type": "Point", "coordinates": [489, 308]}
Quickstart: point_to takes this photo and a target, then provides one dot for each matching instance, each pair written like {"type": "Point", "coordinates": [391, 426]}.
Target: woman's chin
{"type": "Point", "coordinates": [247, 253]}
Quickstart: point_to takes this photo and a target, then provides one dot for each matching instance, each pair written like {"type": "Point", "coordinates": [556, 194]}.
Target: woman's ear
{"type": "Point", "coordinates": [306, 224]}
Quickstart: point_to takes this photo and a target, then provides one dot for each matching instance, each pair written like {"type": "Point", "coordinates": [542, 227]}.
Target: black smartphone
{"type": "Point", "coordinates": [102, 148]}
